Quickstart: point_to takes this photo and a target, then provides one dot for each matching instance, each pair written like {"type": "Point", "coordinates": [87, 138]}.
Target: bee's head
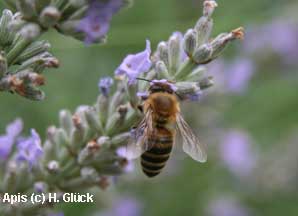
{"type": "Point", "coordinates": [161, 86]}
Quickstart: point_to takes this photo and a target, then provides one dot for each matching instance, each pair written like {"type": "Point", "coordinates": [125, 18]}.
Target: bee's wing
{"type": "Point", "coordinates": [191, 144]}
{"type": "Point", "coordinates": [139, 142]}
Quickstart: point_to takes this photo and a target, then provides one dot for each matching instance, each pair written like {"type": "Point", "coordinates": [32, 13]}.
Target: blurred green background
{"type": "Point", "coordinates": [267, 110]}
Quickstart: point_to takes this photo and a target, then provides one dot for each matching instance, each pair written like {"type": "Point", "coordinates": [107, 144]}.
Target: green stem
{"type": "Point", "coordinates": [185, 69]}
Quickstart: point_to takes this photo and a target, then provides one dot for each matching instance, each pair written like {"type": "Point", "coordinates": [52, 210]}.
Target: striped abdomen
{"type": "Point", "coordinates": [155, 159]}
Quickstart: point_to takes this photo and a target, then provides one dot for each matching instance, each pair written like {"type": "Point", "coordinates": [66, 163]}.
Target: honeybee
{"type": "Point", "coordinates": [154, 136]}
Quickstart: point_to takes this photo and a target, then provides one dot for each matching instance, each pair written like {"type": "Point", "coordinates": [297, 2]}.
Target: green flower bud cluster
{"type": "Point", "coordinates": [81, 153]}
{"type": "Point", "coordinates": [62, 15]}
{"type": "Point", "coordinates": [181, 59]}
{"type": "Point", "coordinates": [22, 57]}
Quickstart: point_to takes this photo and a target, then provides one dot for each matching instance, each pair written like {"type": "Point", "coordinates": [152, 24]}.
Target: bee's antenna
{"type": "Point", "coordinates": [138, 78]}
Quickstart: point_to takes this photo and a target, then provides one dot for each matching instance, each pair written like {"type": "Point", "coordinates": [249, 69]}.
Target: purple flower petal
{"type": "Point", "coordinates": [6, 144]}
{"type": "Point", "coordinates": [122, 152]}
{"type": "Point", "coordinates": [135, 64]}
{"type": "Point", "coordinates": [39, 187]}
{"type": "Point", "coordinates": [105, 84]}
{"type": "Point", "coordinates": [279, 36]}
{"type": "Point", "coordinates": [143, 95]}
{"type": "Point", "coordinates": [196, 96]}
{"type": "Point", "coordinates": [124, 207]}
{"type": "Point", "coordinates": [29, 149]}
{"type": "Point", "coordinates": [15, 128]}
{"type": "Point", "coordinates": [97, 21]}
{"type": "Point", "coordinates": [227, 207]}
{"type": "Point", "coordinates": [239, 74]}
{"type": "Point", "coordinates": [237, 153]}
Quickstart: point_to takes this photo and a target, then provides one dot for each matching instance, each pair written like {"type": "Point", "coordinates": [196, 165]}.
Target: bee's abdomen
{"type": "Point", "coordinates": [155, 159]}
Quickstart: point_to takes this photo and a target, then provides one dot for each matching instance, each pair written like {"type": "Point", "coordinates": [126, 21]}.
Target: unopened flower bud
{"type": "Point", "coordinates": [53, 166]}
{"type": "Point", "coordinates": [209, 7]}
{"type": "Point", "coordinates": [102, 108]}
{"type": "Point", "coordinates": [104, 141]}
{"type": "Point", "coordinates": [185, 88]}
{"type": "Point", "coordinates": [93, 120]}
{"type": "Point", "coordinates": [34, 49]}
{"type": "Point", "coordinates": [202, 54]}
{"type": "Point", "coordinates": [70, 27]}
{"type": "Point", "coordinates": [40, 187]}
{"type": "Point", "coordinates": [6, 35]}
{"type": "Point", "coordinates": [161, 70]}
{"type": "Point", "coordinates": [203, 28]}
{"type": "Point", "coordinates": [120, 139]}
{"type": "Point", "coordinates": [115, 121]}
{"type": "Point", "coordinates": [36, 79]}
{"type": "Point", "coordinates": [163, 52]}
{"type": "Point", "coordinates": [206, 83]}
{"type": "Point", "coordinates": [190, 41]}
{"type": "Point", "coordinates": [78, 132]}
{"type": "Point", "coordinates": [117, 99]}
{"type": "Point", "coordinates": [3, 65]}
{"type": "Point", "coordinates": [89, 174]}
{"type": "Point", "coordinates": [131, 91]}
{"type": "Point", "coordinates": [27, 7]}
{"type": "Point", "coordinates": [221, 41]}
{"type": "Point", "coordinates": [16, 24]}
{"type": "Point", "coordinates": [174, 53]}
{"type": "Point", "coordinates": [30, 31]}
{"type": "Point", "coordinates": [29, 91]}
{"type": "Point", "coordinates": [49, 16]}
{"type": "Point", "coordinates": [91, 150]}
{"type": "Point", "coordinates": [65, 120]}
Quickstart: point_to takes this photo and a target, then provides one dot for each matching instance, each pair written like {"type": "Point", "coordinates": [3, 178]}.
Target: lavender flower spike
{"type": "Point", "coordinates": [97, 21]}
{"type": "Point", "coordinates": [125, 206]}
{"type": "Point", "coordinates": [135, 64]}
{"type": "Point", "coordinates": [7, 141]}
{"type": "Point", "coordinates": [227, 206]}
{"type": "Point", "coordinates": [105, 85]}
{"type": "Point", "coordinates": [240, 73]}
{"type": "Point", "coordinates": [15, 128]}
{"type": "Point", "coordinates": [29, 149]}
{"type": "Point", "coordinates": [237, 153]}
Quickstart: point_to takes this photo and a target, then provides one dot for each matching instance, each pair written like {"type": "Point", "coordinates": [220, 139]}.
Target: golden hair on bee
{"type": "Point", "coordinates": [155, 135]}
